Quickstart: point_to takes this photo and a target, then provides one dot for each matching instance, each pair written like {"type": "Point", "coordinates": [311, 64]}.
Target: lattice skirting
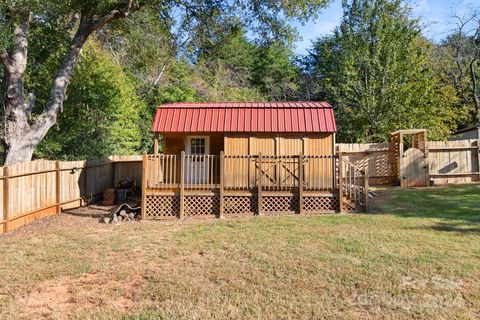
{"type": "Point", "coordinates": [279, 204]}
{"type": "Point", "coordinates": [162, 206]}
{"type": "Point", "coordinates": [196, 205]}
{"type": "Point", "coordinates": [320, 204]}
{"type": "Point", "coordinates": [239, 205]}
{"type": "Point", "coordinates": [168, 206]}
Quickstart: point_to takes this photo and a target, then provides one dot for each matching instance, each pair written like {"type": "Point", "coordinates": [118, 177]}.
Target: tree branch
{"type": "Point", "coordinates": [116, 14]}
{"type": "Point", "coordinates": [5, 59]}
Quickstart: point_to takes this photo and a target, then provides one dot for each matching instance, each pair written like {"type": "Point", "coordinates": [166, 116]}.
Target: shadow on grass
{"type": "Point", "coordinates": [458, 207]}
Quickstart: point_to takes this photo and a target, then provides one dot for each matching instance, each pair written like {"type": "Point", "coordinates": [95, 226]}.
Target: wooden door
{"type": "Point", "coordinates": [196, 163]}
{"type": "Point", "coordinates": [414, 168]}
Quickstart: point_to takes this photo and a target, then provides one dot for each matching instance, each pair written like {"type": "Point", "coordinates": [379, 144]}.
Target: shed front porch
{"type": "Point", "coordinates": [178, 186]}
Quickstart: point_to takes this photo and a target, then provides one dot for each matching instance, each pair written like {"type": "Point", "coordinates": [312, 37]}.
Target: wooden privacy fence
{"type": "Point", "coordinates": [36, 189]}
{"type": "Point", "coordinates": [202, 185]}
{"type": "Point", "coordinates": [445, 162]}
{"type": "Point", "coordinates": [454, 161]}
{"type": "Point", "coordinates": [377, 157]}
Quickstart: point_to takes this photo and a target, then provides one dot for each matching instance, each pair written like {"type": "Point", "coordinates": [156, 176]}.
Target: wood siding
{"type": "Point", "coordinates": [279, 144]}
{"type": "Point", "coordinates": [285, 144]}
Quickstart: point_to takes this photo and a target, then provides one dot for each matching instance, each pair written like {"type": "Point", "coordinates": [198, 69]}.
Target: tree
{"type": "Point", "coordinates": [275, 72]}
{"type": "Point", "coordinates": [23, 130]}
{"type": "Point", "coordinates": [377, 71]}
{"type": "Point", "coordinates": [461, 50]}
{"type": "Point", "coordinates": [103, 115]}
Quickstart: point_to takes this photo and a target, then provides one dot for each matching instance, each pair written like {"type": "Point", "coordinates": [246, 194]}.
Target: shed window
{"type": "Point", "coordinates": [197, 146]}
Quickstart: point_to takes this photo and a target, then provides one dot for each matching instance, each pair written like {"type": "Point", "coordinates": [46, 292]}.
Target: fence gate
{"type": "Point", "coordinates": [410, 157]}
{"type": "Point", "coordinates": [414, 168]}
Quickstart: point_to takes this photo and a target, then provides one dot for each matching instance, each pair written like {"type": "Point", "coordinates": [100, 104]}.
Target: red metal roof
{"type": "Point", "coordinates": [298, 116]}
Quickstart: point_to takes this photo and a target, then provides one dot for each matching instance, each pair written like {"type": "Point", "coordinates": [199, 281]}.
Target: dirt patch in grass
{"type": "Point", "coordinates": [65, 295]}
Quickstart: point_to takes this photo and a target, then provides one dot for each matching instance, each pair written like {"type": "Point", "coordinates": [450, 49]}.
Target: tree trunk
{"type": "Point", "coordinates": [16, 118]}
{"type": "Point", "coordinates": [21, 136]}
{"type": "Point", "coordinates": [475, 97]}
{"type": "Point", "coordinates": [21, 150]}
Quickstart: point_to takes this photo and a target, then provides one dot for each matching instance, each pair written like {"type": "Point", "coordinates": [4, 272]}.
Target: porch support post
{"type": "Point", "coordinates": [259, 184]}
{"type": "Point", "coordinates": [144, 185]}
{"type": "Point", "coordinates": [300, 183]}
{"type": "Point", "coordinates": [340, 181]}
{"type": "Point", "coordinates": [155, 144]}
{"type": "Point", "coordinates": [182, 185]}
{"type": "Point", "coordinates": [221, 191]}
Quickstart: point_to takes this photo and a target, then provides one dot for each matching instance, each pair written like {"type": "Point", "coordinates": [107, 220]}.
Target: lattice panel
{"type": "Point", "coordinates": [313, 205]}
{"type": "Point", "coordinates": [240, 205]}
{"type": "Point", "coordinates": [279, 204]}
{"type": "Point", "coordinates": [162, 206]}
{"type": "Point", "coordinates": [201, 205]}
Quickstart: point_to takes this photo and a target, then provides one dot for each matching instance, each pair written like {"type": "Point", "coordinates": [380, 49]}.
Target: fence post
{"type": "Point", "coordinates": [6, 199]}
{"type": "Point", "coordinates": [221, 191]}
{"type": "Point", "coordinates": [57, 187]}
{"type": "Point", "coordinates": [114, 173]}
{"type": "Point", "coordinates": [300, 183]}
{"type": "Point", "coordinates": [182, 185]}
{"type": "Point", "coordinates": [366, 176]}
{"type": "Point", "coordinates": [340, 181]}
{"type": "Point", "coordinates": [259, 184]}
{"type": "Point", "coordinates": [478, 158]}
{"type": "Point", "coordinates": [144, 185]}
{"type": "Point", "coordinates": [85, 182]}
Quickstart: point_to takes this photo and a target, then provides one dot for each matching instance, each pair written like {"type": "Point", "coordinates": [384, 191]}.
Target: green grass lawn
{"type": "Point", "coordinates": [416, 255]}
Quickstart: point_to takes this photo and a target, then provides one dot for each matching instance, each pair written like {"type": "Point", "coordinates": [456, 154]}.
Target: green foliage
{"type": "Point", "coordinates": [376, 69]}
{"type": "Point", "coordinates": [275, 72]}
{"type": "Point", "coordinates": [223, 65]}
{"type": "Point", "coordinates": [102, 116]}
{"type": "Point", "coordinates": [457, 62]}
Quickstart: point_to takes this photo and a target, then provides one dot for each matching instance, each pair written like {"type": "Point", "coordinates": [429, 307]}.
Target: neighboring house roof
{"type": "Point", "coordinates": [245, 117]}
{"type": "Point", "coordinates": [468, 128]}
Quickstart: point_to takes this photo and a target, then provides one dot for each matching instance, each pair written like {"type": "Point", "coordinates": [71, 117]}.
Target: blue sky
{"type": "Point", "coordinates": [435, 14]}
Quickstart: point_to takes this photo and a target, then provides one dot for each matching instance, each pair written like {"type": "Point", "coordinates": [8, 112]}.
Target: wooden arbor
{"type": "Point", "coordinates": [410, 154]}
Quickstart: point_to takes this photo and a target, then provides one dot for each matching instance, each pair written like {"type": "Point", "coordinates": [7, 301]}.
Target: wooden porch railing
{"type": "Point", "coordinates": [352, 184]}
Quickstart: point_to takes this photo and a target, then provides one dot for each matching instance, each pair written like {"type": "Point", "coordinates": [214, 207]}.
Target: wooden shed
{"type": "Point", "coordinates": [248, 128]}
{"type": "Point", "coordinates": [239, 151]}
{"type": "Point", "coordinates": [472, 132]}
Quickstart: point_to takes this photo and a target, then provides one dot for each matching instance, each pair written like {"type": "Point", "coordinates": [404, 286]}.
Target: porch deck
{"type": "Point", "coordinates": [177, 186]}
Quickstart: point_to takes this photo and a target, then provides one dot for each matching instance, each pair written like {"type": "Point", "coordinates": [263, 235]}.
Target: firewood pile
{"type": "Point", "coordinates": [124, 212]}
